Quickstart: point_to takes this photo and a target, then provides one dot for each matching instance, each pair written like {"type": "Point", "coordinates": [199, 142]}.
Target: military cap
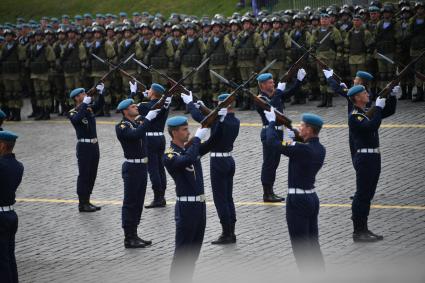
{"type": "Point", "coordinates": [55, 20]}
{"type": "Point", "coordinates": [264, 77]}
{"type": "Point", "coordinates": [355, 90]}
{"type": "Point", "coordinates": [76, 92]}
{"type": "Point", "coordinates": [247, 19]}
{"type": "Point", "coordinates": [419, 4]}
{"type": "Point", "coordinates": [376, 3]}
{"type": "Point", "coordinates": [65, 17]}
{"type": "Point", "coordinates": [234, 22]}
{"type": "Point", "coordinates": [158, 88]}
{"type": "Point", "coordinates": [108, 15]}
{"type": "Point", "coordinates": [144, 25]}
{"type": "Point", "coordinates": [136, 14]}
{"type": "Point", "coordinates": [123, 14]}
{"type": "Point", "coordinates": [78, 17]}
{"type": "Point", "coordinates": [223, 96]}
{"type": "Point", "coordinates": [312, 119]}
{"type": "Point", "coordinates": [100, 15]}
{"type": "Point", "coordinates": [45, 18]}
{"type": "Point", "coordinates": [157, 26]}
{"type": "Point", "coordinates": [88, 30]}
{"type": "Point", "coordinates": [406, 9]}
{"type": "Point", "coordinates": [364, 75]}
{"type": "Point", "coordinates": [216, 23]}
{"type": "Point", "coordinates": [168, 24]}
{"type": "Point", "coordinates": [8, 136]}
{"type": "Point", "coordinates": [402, 3]}
{"type": "Point", "coordinates": [190, 26]}
{"type": "Point", "coordinates": [8, 31]}
{"type": "Point", "coordinates": [114, 17]}
{"type": "Point", "coordinates": [49, 31]}
{"type": "Point", "coordinates": [88, 15]}
{"type": "Point", "coordinates": [176, 121]}
{"type": "Point", "coordinates": [389, 8]}
{"type": "Point", "coordinates": [124, 104]}
{"type": "Point", "coordinates": [373, 9]}
{"type": "Point", "coordinates": [2, 114]}
{"type": "Point", "coordinates": [99, 29]}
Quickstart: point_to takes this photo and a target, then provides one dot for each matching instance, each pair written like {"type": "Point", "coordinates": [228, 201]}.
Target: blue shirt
{"type": "Point", "coordinates": [158, 124]}
{"type": "Point", "coordinates": [132, 136]}
{"type": "Point", "coordinates": [83, 119]}
{"type": "Point", "coordinates": [11, 172]}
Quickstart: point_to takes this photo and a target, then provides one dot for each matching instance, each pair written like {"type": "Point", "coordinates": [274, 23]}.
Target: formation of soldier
{"type": "Point", "coordinates": [46, 60]}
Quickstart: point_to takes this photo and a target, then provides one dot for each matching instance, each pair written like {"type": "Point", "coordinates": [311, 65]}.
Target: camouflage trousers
{"type": "Point", "coordinates": [386, 71]}
{"type": "Point", "coordinates": [72, 81]}
{"type": "Point", "coordinates": [217, 86]}
{"type": "Point", "coordinates": [12, 97]}
{"type": "Point", "coordinates": [42, 91]}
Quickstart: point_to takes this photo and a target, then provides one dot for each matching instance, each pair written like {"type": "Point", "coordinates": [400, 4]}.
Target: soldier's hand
{"type": "Point", "coordinates": [281, 86]}
{"type": "Point", "coordinates": [152, 114]}
{"type": "Point", "coordinates": [343, 85]}
{"type": "Point", "coordinates": [145, 93]}
{"type": "Point", "coordinates": [201, 133]}
{"type": "Point", "coordinates": [380, 102]}
{"type": "Point", "coordinates": [187, 98]}
{"type": "Point", "coordinates": [328, 73]}
{"type": "Point", "coordinates": [291, 134]}
{"type": "Point", "coordinates": [199, 103]}
{"type": "Point", "coordinates": [100, 88]}
{"type": "Point", "coordinates": [133, 87]}
{"type": "Point", "coordinates": [396, 91]}
{"type": "Point", "coordinates": [222, 113]}
{"type": "Point", "coordinates": [167, 102]}
{"type": "Point", "coordinates": [87, 99]}
{"type": "Point", "coordinates": [301, 74]}
{"type": "Point", "coordinates": [270, 115]}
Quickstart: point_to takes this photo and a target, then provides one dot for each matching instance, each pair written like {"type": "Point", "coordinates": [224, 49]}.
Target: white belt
{"type": "Point", "coordinates": [296, 191]}
{"type": "Point", "coordinates": [200, 198]}
{"type": "Point", "coordinates": [368, 150]}
{"type": "Point", "coordinates": [220, 154]}
{"type": "Point", "coordinates": [6, 208]}
{"type": "Point", "coordinates": [88, 140]}
{"type": "Point", "coordinates": [276, 127]}
{"type": "Point", "coordinates": [140, 160]}
{"type": "Point", "coordinates": [154, 134]}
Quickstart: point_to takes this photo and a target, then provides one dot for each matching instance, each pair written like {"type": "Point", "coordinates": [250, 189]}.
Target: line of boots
{"type": "Point", "coordinates": [227, 235]}
{"type": "Point", "coordinates": [43, 113]}
{"type": "Point", "coordinates": [362, 233]}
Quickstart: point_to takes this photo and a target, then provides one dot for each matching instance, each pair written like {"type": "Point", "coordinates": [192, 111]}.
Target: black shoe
{"type": "Point", "coordinates": [95, 206]}
{"type": "Point", "coordinates": [146, 242]}
{"type": "Point", "coordinates": [157, 203]}
{"type": "Point", "coordinates": [224, 240]}
{"type": "Point", "coordinates": [134, 243]}
{"type": "Point", "coordinates": [352, 197]}
{"type": "Point", "coordinates": [39, 116]}
{"type": "Point", "coordinates": [86, 207]}
{"type": "Point", "coordinates": [272, 198]}
{"type": "Point", "coordinates": [366, 237]}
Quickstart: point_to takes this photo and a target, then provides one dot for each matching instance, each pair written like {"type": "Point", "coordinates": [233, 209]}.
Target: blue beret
{"type": "Point", "coordinates": [2, 114]}
{"type": "Point", "coordinates": [136, 14]}
{"type": "Point", "coordinates": [264, 77]}
{"type": "Point", "coordinates": [176, 121]}
{"type": "Point", "coordinates": [124, 104]}
{"type": "Point", "coordinates": [312, 119]}
{"type": "Point", "coordinates": [355, 90]}
{"type": "Point", "coordinates": [123, 14]}
{"type": "Point", "coordinates": [78, 17]}
{"type": "Point", "coordinates": [88, 15]}
{"type": "Point", "coordinates": [76, 92]}
{"type": "Point", "coordinates": [223, 96]}
{"type": "Point", "coordinates": [8, 136]}
{"type": "Point", "coordinates": [364, 75]}
{"type": "Point", "coordinates": [158, 88]}
{"type": "Point", "coordinates": [65, 17]}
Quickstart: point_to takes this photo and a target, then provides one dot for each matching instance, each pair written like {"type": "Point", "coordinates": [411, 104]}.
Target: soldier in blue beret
{"type": "Point", "coordinates": [131, 133]}
{"type": "Point", "coordinates": [155, 141]}
{"type": "Point", "coordinates": [366, 157]}
{"type": "Point", "coordinates": [222, 165]}
{"type": "Point", "coordinates": [274, 97]}
{"type": "Point", "coordinates": [83, 119]}
{"type": "Point", "coordinates": [302, 203]}
{"type": "Point", "coordinates": [2, 117]}
{"type": "Point", "coordinates": [11, 172]}
{"type": "Point", "coordinates": [184, 165]}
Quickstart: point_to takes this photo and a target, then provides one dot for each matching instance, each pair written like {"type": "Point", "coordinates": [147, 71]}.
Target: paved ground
{"type": "Point", "coordinates": [55, 243]}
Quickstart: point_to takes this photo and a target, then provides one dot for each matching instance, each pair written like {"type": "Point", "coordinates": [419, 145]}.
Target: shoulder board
{"type": "Point", "coordinates": [125, 124]}
{"type": "Point", "coordinates": [72, 111]}
{"type": "Point", "coordinates": [170, 153]}
{"type": "Point", "coordinates": [359, 116]}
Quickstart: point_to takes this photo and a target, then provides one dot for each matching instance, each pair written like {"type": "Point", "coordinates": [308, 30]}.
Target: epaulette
{"type": "Point", "coordinates": [170, 153]}
{"type": "Point", "coordinates": [359, 116]}
{"type": "Point", "coordinates": [124, 124]}
{"type": "Point", "coordinates": [72, 112]}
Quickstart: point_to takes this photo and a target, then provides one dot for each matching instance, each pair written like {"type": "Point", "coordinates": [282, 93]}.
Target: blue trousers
{"type": "Point", "coordinates": [190, 220]}
{"type": "Point", "coordinates": [156, 148]}
{"type": "Point", "coordinates": [88, 161]}
{"type": "Point", "coordinates": [8, 228]}
{"type": "Point", "coordinates": [302, 212]}
{"type": "Point", "coordinates": [222, 172]}
{"type": "Point", "coordinates": [368, 169]}
{"type": "Point", "coordinates": [135, 181]}
{"type": "Point", "coordinates": [271, 160]}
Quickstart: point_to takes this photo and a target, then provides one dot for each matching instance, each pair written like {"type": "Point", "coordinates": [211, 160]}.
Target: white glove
{"type": "Point", "coordinates": [343, 85]}
{"type": "Point", "coordinates": [222, 113]}
{"type": "Point", "coordinates": [152, 114]}
{"type": "Point", "coordinates": [301, 74]}
{"type": "Point", "coordinates": [380, 102]}
{"type": "Point", "coordinates": [281, 86]}
{"type": "Point", "coordinates": [199, 103]}
{"type": "Point", "coordinates": [270, 115]}
{"type": "Point", "coordinates": [133, 87]}
{"type": "Point", "coordinates": [167, 102]}
{"type": "Point", "coordinates": [396, 91]}
{"type": "Point", "coordinates": [187, 98]}
{"type": "Point", "coordinates": [328, 73]}
{"type": "Point", "coordinates": [291, 134]}
{"type": "Point", "coordinates": [87, 99]}
{"type": "Point", "coordinates": [201, 133]}
{"type": "Point", "coordinates": [100, 87]}
{"type": "Point", "coordinates": [145, 93]}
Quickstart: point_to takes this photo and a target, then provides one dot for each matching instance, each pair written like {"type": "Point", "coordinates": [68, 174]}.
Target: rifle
{"type": "Point", "coordinates": [125, 73]}
{"type": "Point", "coordinates": [209, 120]}
{"type": "Point", "coordinates": [169, 93]}
{"type": "Point", "coordinates": [205, 110]}
{"type": "Point", "coordinates": [388, 88]}
{"type": "Point", "coordinates": [319, 62]}
{"type": "Point", "coordinates": [281, 119]}
{"type": "Point", "coordinates": [92, 91]}
{"type": "Point", "coordinates": [418, 74]}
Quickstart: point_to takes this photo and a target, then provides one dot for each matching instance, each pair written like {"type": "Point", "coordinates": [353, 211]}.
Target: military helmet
{"type": "Point", "coordinates": [61, 30]}
{"type": "Point", "coordinates": [88, 30]}
{"type": "Point", "coordinates": [49, 31]}
{"type": "Point", "coordinates": [127, 28]}
{"type": "Point", "coordinates": [157, 26]}
{"type": "Point", "coordinates": [345, 12]}
{"type": "Point", "coordinates": [275, 19]}
{"type": "Point", "coordinates": [315, 17]}
{"type": "Point", "coordinates": [216, 23]}
{"type": "Point", "coordinates": [388, 7]}
{"type": "Point", "coordinates": [190, 25]}
{"type": "Point", "coordinates": [403, 3]}
{"type": "Point", "coordinates": [109, 27]}
{"type": "Point", "coordinates": [247, 19]}
{"type": "Point", "coordinates": [206, 23]}
{"type": "Point", "coordinates": [419, 4]}
{"type": "Point", "coordinates": [406, 9]}
{"type": "Point", "coordinates": [99, 29]}
{"type": "Point", "coordinates": [236, 15]}
{"type": "Point", "coordinates": [168, 24]}
{"type": "Point", "coordinates": [39, 32]}
{"type": "Point", "coordinates": [143, 25]}
{"type": "Point", "coordinates": [8, 31]}
{"type": "Point", "coordinates": [375, 3]}
{"type": "Point", "coordinates": [176, 27]}
{"type": "Point", "coordinates": [234, 22]}
{"type": "Point", "coordinates": [299, 16]}
{"type": "Point", "coordinates": [267, 20]}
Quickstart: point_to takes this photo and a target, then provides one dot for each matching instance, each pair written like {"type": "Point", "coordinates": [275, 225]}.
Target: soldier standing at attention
{"type": "Point", "coordinates": [302, 204]}
{"type": "Point", "coordinates": [11, 172]}
{"type": "Point", "coordinates": [132, 136]}
{"type": "Point", "coordinates": [83, 119]}
{"type": "Point", "coordinates": [417, 32]}
{"type": "Point", "coordinates": [367, 157]}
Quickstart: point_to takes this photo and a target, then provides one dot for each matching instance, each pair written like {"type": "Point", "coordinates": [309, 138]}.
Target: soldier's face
{"type": "Point", "coordinates": [362, 98]}
{"type": "Point", "coordinates": [267, 86]}
{"type": "Point", "coordinates": [181, 134]}
{"type": "Point", "coordinates": [8, 37]}
{"type": "Point", "coordinates": [324, 21]}
{"type": "Point", "coordinates": [110, 33]}
{"type": "Point", "coordinates": [131, 111]}
{"type": "Point", "coordinates": [387, 15]}
{"type": "Point", "coordinates": [157, 33]}
{"type": "Point", "coordinates": [216, 29]}
{"type": "Point", "coordinates": [177, 33]}
{"type": "Point", "coordinates": [61, 36]}
{"type": "Point", "coordinates": [276, 25]}
{"type": "Point", "coordinates": [79, 98]}
{"type": "Point", "coordinates": [357, 23]}
{"type": "Point", "coordinates": [297, 24]}
{"type": "Point", "coordinates": [97, 35]}
{"type": "Point", "coordinates": [246, 26]}
{"type": "Point", "coordinates": [190, 32]}
{"type": "Point", "coordinates": [374, 16]}
{"type": "Point", "coordinates": [127, 34]}
{"type": "Point", "coordinates": [305, 131]}
{"type": "Point", "coordinates": [420, 11]}
{"type": "Point", "coordinates": [234, 28]}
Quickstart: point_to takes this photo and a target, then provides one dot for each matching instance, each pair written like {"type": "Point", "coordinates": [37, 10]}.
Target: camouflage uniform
{"type": "Point", "coordinates": [358, 44]}
{"type": "Point", "coordinates": [58, 76]}
{"type": "Point", "coordinates": [159, 54]}
{"type": "Point", "coordinates": [417, 31]}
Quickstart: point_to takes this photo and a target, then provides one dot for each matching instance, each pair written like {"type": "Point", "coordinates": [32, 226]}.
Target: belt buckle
{"type": "Point", "coordinates": [93, 141]}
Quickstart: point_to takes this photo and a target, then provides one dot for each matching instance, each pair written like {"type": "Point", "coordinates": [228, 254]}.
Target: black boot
{"type": "Point", "coordinates": [132, 241]}
{"type": "Point", "coordinates": [247, 102]}
{"type": "Point", "coordinates": [409, 91]}
{"type": "Point", "coordinates": [17, 114]}
{"type": "Point", "coordinates": [232, 231]}
{"type": "Point", "coordinates": [329, 97]}
{"type": "Point", "coordinates": [157, 202]}
{"type": "Point", "coordinates": [419, 94]}
{"type": "Point", "coordinates": [403, 92]}
{"type": "Point", "coordinates": [323, 98]}
{"type": "Point", "coordinates": [85, 206]}
{"type": "Point", "coordinates": [362, 234]}
{"type": "Point", "coordinates": [269, 195]}
{"type": "Point", "coordinates": [46, 115]}
{"type": "Point", "coordinates": [34, 110]}
{"type": "Point", "coordinates": [225, 237]}
{"type": "Point", "coordinates": [106, 109]}
{"type": "Point", "coordinates": [40, 114]}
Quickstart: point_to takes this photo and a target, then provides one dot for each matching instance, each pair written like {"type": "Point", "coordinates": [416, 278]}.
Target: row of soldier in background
{"type": "Point", "coordinates": [47, 60]}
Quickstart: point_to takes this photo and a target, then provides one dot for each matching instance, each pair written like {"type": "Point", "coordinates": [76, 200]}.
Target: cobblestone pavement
{"type": "Point", "coordinates": [55, 243]}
